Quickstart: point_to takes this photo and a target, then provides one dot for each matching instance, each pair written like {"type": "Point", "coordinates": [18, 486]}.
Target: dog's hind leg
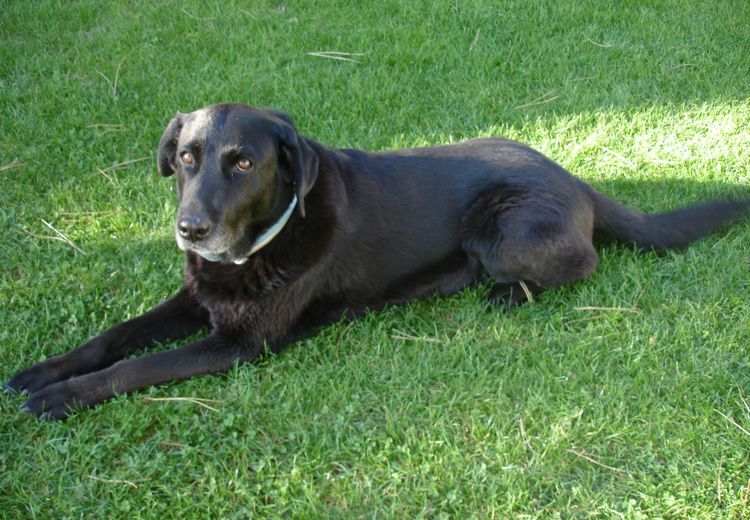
{"type": "Point", "coordinates": [529, 241]}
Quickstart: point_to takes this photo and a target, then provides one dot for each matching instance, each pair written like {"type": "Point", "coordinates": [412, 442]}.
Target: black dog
{"type": "Point", "coordinates": [282, 235]}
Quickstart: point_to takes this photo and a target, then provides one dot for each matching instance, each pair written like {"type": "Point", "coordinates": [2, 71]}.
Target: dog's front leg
{"type": "Point", "coordinates": [209, 355]}
{"type": "Point", "coordinates": [175, 318]}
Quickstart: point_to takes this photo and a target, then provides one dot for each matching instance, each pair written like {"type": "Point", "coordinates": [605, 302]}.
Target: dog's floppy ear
{"type": "Point", "coordinates": [300, 162]}
{"type": "Point", "coordinates": [281, 115]}
{"type": "Point", "coordinates": [166, 156]}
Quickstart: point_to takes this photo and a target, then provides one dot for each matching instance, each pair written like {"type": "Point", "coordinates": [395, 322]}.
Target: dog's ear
{"type": "Point", "coordinates": [166, 156]}
{"type": "Point", "coordinates": [281, 115]}
{"type": "Point", "coordinates": [300, 162]}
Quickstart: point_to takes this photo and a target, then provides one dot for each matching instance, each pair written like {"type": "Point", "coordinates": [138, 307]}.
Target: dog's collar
{"type": "Point", "coordinates": [270, 233]}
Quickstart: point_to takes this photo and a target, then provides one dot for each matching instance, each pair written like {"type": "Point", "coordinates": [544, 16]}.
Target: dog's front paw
{"type": "Point", "coordinates": [35, 377]}
{"type": "Point", "coordinates": [55, 401]}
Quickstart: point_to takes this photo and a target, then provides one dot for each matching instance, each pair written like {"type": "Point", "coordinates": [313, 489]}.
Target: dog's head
{"type": "Point", "coordinates": [239, 170]}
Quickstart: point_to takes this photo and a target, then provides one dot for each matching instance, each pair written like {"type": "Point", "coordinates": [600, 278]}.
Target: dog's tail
{"type": "Point", "coordinates": [668, 230]}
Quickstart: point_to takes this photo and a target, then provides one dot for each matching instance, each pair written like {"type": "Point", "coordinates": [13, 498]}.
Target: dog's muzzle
{"type": "Point", "coordinates": [191, 230]}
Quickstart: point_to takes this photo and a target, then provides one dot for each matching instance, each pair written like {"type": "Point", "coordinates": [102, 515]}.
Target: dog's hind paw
{"type": "Point", "coordinates": [510, 295]}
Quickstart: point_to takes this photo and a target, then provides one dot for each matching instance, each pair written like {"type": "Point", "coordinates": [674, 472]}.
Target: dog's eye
{"type": "Point", "coordinates": [244, 164]}
{"type": "Point", "coordinates": [187, 158]}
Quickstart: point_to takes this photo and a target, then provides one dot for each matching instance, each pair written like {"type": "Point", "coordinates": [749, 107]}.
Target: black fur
{"type": "Point", "coordinates": [370, 230]}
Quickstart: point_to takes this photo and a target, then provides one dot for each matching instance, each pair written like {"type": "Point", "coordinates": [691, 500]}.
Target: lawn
{"type": "Point", "coordinates": [622, 396]}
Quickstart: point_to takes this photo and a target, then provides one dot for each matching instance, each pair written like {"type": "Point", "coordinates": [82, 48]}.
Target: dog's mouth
{"type": "Point", "coordinates": [241, 250]}
{"type": "Point", "coordinates": [221, 245]}
{"type": "Point", "coordinates": [223, 255]}
{"type": "Point", "coordinates": [225, 258]}
{"type": "Point", "coordinates": [207, 255]}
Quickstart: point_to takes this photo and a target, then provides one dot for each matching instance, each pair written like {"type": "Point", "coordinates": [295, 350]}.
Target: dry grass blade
{"type": "Point", "coordinates": [744, 402]}
{"type": "Point", "coordinates": [105, 212]}
{"type": "Point", "coordinates": [195, 17]}
{"type": "Point", "coordinates": [627, 162]}
{"type": "Point", "coordinates": [172, 444]}
{"type": "Point", "coordinates": [588, 318]}
{"type": "Point", "coordinates": [339, 58]}
{"type": "Point", "coordinates": [104, 127]}
{"type": "Point", "coordinates": [62, 236]}
{"type": "Point", "coordinates": [743, 430]}
{"type": "Point", "coordinates": [529, 296]}
{"type": "Point", "coordinates": [113, 481]}
{"type": "Point", "coordinates": [122, 164]}
{"type": "Point", "coordinates": [339, 53]}
{"type": "Point", "coordinates": [109, 178]}
{"type": "Point", "coordinates": [193, 400]}
{"type": "Point", "coordinates": [408, 337]}
{"type": "Point", "coordinates": [10, 166]}
{"type": "Point", "coordinates": [106, 78]}
{"type": "Point", "coordinates": [608, 309]}
{"type": "Point", "coordinates": [474, 41]}
{"type": "Point", "coordinates": [117, 78]}
{"type": "Point", "coordinates": [524, 436]}
{"type": "Point", "coordinates": [87, 216]}
{"type": "Point", "coordinates": [343, 333]}
{"type": "Point", "coordinates": [336, 55]}
{"type": "Point", "coordinates": [113, 84]}
{"type": "Point", "coordinates": [545, 98]}
{"type": "Point", "coordinates": [662, 161]}
{"type": "Point", "coordinates": [594, 461]}
{"type": "Point", "coordinates": [602, 45]}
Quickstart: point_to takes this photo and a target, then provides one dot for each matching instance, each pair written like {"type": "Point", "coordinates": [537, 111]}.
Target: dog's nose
{"type": "Point", "coordinates": [193, 228]}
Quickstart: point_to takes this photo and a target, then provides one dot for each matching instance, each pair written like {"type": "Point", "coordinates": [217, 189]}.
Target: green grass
{"type": "Point", "coordinates": [442, 408]}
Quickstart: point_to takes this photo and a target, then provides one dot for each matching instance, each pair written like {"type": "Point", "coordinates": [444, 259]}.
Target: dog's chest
{"type": "Point", "coordinates": [231, 293]}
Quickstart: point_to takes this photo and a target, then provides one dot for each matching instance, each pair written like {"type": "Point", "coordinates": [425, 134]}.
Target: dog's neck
{"type": "Point", "coordinates": [271, 232]}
